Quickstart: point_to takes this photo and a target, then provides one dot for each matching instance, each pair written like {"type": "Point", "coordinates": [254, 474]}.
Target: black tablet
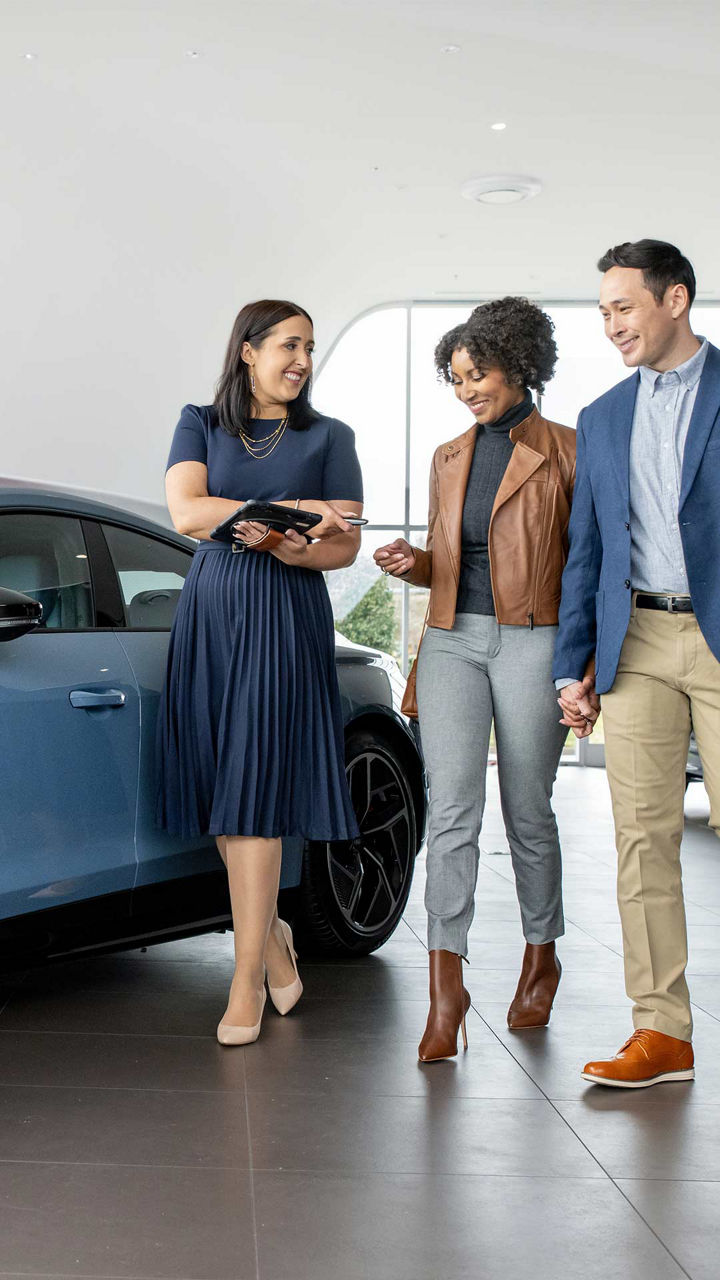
{"type": "Point", "coordinates": [271, 513]}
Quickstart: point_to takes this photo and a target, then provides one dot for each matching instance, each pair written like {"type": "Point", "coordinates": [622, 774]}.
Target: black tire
{"type": "Point", "coordinates": [353, 894]}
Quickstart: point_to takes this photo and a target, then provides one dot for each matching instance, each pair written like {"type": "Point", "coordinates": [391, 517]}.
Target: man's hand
{"type": "Point", "coordinates": [395, 557]}
{"type": "Point", "coordinates": [580, 706]}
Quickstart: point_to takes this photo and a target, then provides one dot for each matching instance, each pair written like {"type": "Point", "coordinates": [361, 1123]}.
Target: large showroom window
{"type": "Point", "coordinates": [379, 376]}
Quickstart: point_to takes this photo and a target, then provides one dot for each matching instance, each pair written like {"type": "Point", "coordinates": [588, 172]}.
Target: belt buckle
{"type": "Point", "coordinates": [238, 547]}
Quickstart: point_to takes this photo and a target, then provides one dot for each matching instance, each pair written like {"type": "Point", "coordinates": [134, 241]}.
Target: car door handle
{"type": "Point", "coordinates": [97, 698]}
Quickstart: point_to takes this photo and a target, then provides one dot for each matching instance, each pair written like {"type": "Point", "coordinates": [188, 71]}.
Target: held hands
{"type": "Point", "coordinates": [395, 557]}
{"type": "Point", "coordinates": [580, 706]}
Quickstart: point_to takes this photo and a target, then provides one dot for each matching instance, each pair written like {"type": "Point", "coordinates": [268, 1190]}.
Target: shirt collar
{"type": "Point", "coordinates": [689, 373]}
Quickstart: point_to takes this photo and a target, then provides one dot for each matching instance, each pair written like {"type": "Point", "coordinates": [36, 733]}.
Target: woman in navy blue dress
{"type": "Point", "coordinates": [250, 731]}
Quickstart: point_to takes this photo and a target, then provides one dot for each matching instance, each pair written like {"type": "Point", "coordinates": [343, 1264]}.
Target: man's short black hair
{"type": "Point", "coordinates": [661, 263]}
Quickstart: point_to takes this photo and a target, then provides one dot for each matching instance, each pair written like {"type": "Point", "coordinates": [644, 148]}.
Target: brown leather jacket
{"type": "Point", "coordinates": [528, 539]}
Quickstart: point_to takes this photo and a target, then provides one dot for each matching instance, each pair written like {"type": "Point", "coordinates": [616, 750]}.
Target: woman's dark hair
{"type": "Point", "coordinates": [511, 334]}
{"type": "Point", "coordinates": [662, 265]}
{"type": "Point", "coordinates": [233, 398]}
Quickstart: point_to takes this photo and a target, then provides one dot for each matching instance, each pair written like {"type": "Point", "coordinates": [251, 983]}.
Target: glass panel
{"type": "Point", "coordinates": [367, 605]}
{"type": "Point", "coordinates": [364, 384]}
{"type": "Point", "coordinates": [706, 321]}
{"type": "Point", "coordinates": [435, 413]}
{"type": "Point", "coordinates": [44, 556]}
{"type": "Point", "coordinates": [587, 366]}
{"type": "Point", "coordinates": [151, 575]}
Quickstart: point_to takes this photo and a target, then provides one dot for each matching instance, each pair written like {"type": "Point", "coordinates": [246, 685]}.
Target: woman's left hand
{"type": "Point", "coordinates": [249, 531]}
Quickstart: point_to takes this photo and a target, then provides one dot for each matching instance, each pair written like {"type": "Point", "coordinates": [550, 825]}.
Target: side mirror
{"type": "Point", "coordinates": [18, 614]}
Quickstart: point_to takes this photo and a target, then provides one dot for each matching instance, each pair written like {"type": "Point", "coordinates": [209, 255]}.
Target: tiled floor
{"type": "Point", "coordinates": [132, 1145]}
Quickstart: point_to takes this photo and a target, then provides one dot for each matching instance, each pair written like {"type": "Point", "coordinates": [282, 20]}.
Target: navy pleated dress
{"type": "Point", "coordinates": [250, 732]}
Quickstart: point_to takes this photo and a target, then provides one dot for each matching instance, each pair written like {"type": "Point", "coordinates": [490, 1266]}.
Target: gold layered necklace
{"type": "Point", "coordinates": [262, 446]}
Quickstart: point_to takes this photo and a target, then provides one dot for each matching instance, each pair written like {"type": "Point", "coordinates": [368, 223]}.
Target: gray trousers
{"type": "Point", "coordinates": [478, 672]}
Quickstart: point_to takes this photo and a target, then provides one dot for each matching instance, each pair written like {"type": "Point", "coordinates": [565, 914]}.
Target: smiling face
{"type": "Point", "coordinates": [281, 365]}
{"type": "Point", "coordinates": [486, 392]}
{"type": "Point", "coordinates": [644, 330]}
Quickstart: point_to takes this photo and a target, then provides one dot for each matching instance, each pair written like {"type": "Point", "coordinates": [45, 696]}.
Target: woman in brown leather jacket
{"type": "Point", "coordinates": [496, 546]}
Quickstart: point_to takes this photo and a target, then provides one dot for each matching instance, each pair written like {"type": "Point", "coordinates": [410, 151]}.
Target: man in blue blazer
{"type": "Point", "coordinates": [641, 592]}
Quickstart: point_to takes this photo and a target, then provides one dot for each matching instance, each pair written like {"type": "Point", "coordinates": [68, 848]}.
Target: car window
{"type": "Point", "coordinates": [151, 575]}
{"type": "Point", "coordinates": [44, 556]}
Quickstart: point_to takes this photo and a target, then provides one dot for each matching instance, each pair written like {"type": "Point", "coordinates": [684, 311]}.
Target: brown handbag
{"type": "Point", "coordinates": [409, 706]}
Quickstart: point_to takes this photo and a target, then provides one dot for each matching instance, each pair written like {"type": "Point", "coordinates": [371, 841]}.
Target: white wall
{"type": "Point", "coordinates": [316, 151]}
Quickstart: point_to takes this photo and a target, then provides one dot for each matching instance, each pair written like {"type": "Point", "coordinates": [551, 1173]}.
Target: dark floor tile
{"type": "Point", "coordinates": [118, 1062]}
{"type": "Point", "coordinates": [685, 1215]}
{"type": "Point", "coordinates": [123, 1126]}
{"type": "Point", "coordinates": [432, 1134]}
{"type": "Point", "coordinates": [114, 1012]}
{"type": "Point", "coordinates": [384, 1021]}
{"type": "Point", "coordinates": [427, 1228]}
{"type": "Point", "coordinates": [368, 979]}
{"type": "Point", "coordinates": [126, 1222]}
{"type": "Point", "coordinates": [705, 992]}
{"type": "Point", "coordinates": [146, 976]}
{"type": "Point", "coordinates": [649, 1133]}
{"type": "Point", "coordinates": [363, 1069]}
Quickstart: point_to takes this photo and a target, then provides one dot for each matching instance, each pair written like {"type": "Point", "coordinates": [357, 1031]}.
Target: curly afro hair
{"type": "Point", "coordinates": [511, 334]}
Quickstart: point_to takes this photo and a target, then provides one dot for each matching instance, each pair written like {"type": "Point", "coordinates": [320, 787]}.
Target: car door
{"type": "Point", "coordinates": [70, 728]}
{"type": "Point", "coordinates": [148, 572]}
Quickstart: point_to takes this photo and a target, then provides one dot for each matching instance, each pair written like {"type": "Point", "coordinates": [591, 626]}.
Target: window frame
{"type": "Point", "coordinates": [24, 510]}
{"type": "Point", "coordinates": [105, 589]}
{"type": "Point", "coordinates": [110, 569]}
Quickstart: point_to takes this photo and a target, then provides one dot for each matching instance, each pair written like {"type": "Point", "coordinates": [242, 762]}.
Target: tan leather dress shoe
{"type": "Point", "coordinates": [648, 1057]}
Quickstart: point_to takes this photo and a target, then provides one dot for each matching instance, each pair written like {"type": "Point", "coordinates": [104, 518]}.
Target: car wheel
{"type": "Point", "coordinates": [353, 893]}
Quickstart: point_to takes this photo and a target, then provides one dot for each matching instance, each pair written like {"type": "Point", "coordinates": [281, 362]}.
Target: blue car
{"type": "Point", "coordinates": [88, 592]}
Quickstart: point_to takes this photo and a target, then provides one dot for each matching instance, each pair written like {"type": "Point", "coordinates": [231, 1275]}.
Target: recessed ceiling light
{"type": "Point", "coordinates": [193, 53]}
{"type": "Point", "coordinates": [501, 188]}
{"type": "Point", "coordinates": [450, 48]}
{"type": "Point", "coordinates": [498, 126]}
{"type": "Point", "coordinates": [30, 57]}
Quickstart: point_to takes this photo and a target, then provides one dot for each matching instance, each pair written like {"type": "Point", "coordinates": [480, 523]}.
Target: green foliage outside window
{"type": "Point", "coordinates": [372, 621]}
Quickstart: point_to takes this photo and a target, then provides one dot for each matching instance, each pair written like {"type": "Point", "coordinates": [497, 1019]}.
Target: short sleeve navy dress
{"type": "Point", "coordinates": [250, 732]}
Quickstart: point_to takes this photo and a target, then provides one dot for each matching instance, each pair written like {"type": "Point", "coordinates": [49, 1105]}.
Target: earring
{"type": "Point", "coordinates": [252, 382]}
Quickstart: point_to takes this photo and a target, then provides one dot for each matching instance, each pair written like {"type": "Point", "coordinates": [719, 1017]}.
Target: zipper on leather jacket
{"type": "Point", "coordinates": [531, 616]}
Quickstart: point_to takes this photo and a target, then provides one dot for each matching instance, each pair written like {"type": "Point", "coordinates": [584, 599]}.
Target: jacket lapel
{"type": "Point", "coordinates": [705, 411]}
{"type": "Point", "coordinates": [453, 475]}
{"type": "Point", "coordinates": [620, 432]}
{"type": "Point", "coordinates": [524, 461]}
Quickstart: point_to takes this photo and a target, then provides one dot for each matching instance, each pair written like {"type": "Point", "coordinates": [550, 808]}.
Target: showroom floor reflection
{"type": "Point", "coordinates": [133, 1145]}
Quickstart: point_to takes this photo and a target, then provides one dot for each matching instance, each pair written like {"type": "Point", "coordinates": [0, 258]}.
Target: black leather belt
{"type": "Point", "coordinates": [670, 604]}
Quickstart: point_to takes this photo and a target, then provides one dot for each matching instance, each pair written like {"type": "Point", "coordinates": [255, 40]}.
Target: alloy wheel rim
{"type": "Point", "coordinates": [368, 876]}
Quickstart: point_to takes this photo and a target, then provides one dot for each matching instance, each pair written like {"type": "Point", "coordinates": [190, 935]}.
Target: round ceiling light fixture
{"type": "Point", "coordinates": [501, 188]}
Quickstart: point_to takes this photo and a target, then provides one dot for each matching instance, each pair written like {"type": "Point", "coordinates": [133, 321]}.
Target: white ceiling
{"type": "Point", "coordinates": [314, 150]}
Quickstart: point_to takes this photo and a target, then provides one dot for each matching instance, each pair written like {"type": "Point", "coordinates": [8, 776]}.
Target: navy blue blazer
{"type": "Point", "coordinates": [596, 595]}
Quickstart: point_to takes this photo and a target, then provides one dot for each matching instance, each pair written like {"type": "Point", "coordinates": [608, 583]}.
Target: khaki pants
{"type": "Point", "coordinates": [668, 682]}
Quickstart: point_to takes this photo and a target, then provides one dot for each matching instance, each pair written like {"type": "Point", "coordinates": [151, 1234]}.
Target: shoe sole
{"type": "Point", "coordinates": [666, 1077]}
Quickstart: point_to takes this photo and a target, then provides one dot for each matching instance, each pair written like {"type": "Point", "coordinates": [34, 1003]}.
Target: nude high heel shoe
{"type": "Point", "coordinates": [228, 1034]}
{"type": "Point", "coordinates": [285, 998]}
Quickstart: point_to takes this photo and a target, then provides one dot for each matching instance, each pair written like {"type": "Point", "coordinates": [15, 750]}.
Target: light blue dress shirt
{"type": "Point", "coordinates": [663, 408]}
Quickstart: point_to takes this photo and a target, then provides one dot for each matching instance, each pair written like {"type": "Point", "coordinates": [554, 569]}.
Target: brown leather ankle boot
{"type": "Point", "coordinates": [539, 978]}
{"type": "Point", "coordinates": [449, 1002]}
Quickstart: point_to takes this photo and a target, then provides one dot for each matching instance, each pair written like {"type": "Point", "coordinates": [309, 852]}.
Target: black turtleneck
{"type": "Point", "coordinates": [493, 448]}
